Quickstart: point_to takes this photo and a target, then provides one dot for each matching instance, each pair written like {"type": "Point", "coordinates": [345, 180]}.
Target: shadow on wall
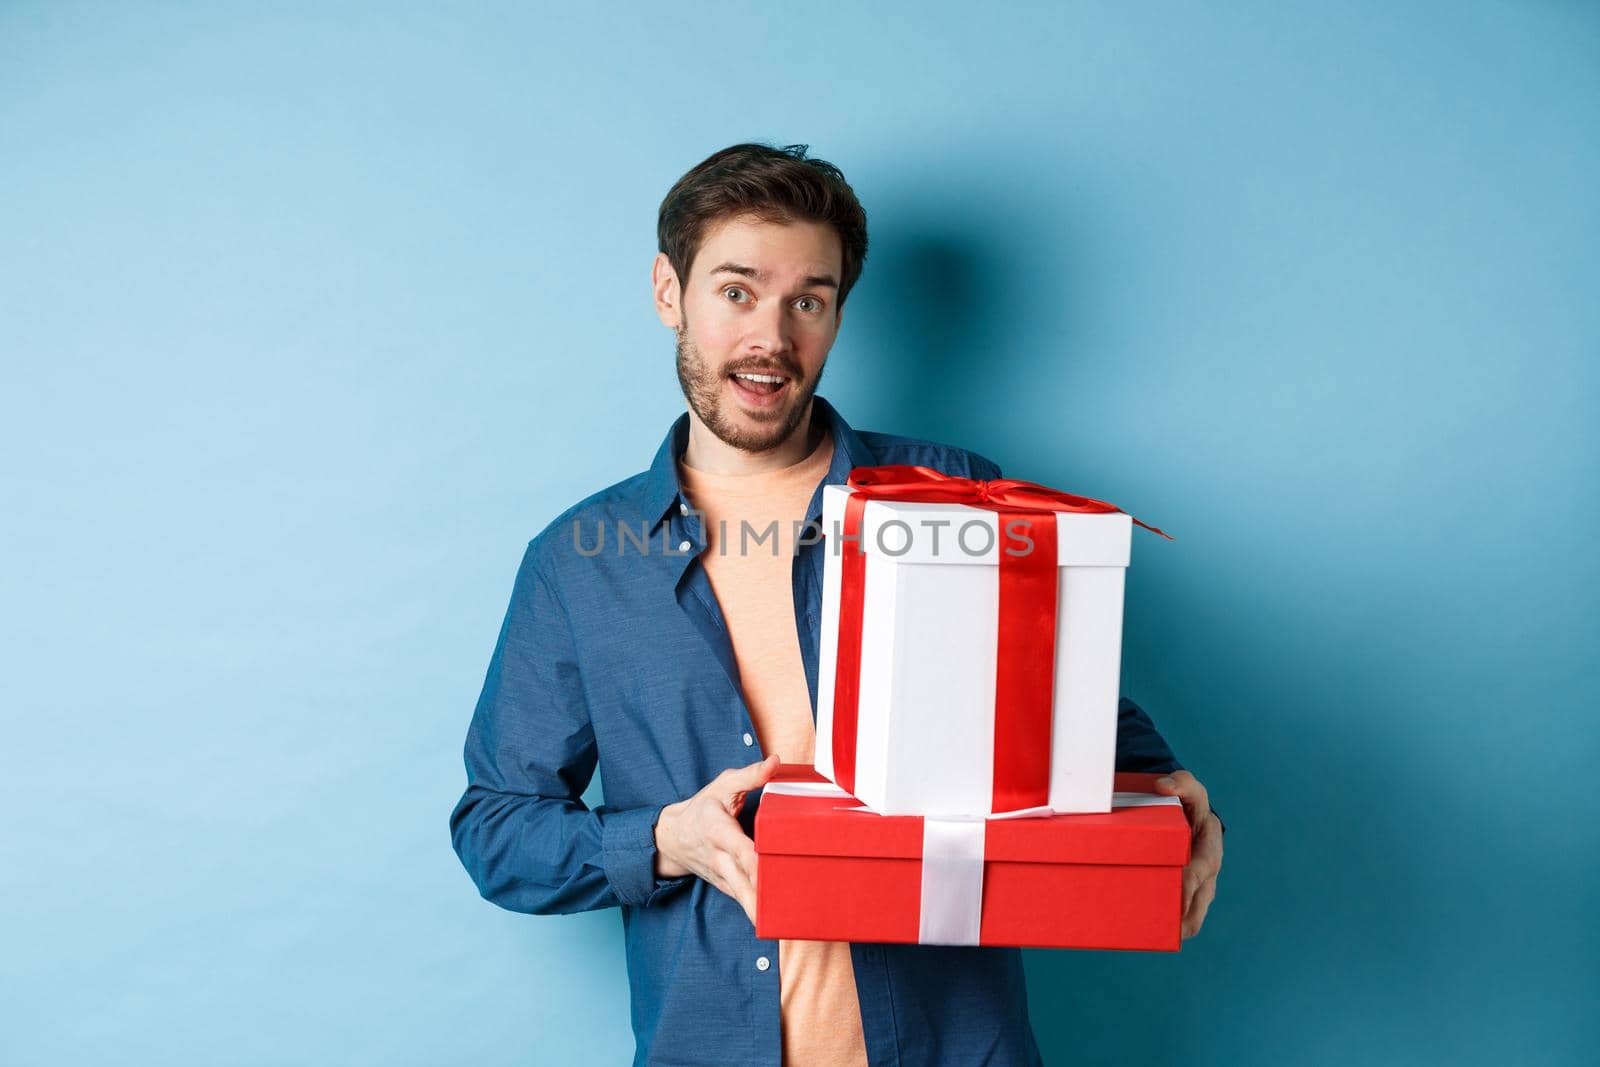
{"type": "Point", "coordinates": [1314, 853]}
{"type": "Point", "coordinates": [948, 327]}
{"type": "Point", "coordinates": [943, 318]}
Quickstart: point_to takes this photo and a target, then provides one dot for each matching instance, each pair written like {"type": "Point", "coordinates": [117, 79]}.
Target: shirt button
{"type": "Point", "coordinates": [748, 740]}
{"type": "Point", "coordinates": [683, 509]}
{"type": "Point", "coordinates": [762, 963]}
{"type": "Point", "coordinates": [684, 546]}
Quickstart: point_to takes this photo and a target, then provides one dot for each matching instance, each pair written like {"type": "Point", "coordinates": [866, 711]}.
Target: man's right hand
{"type": "Point", "coordinates": [702, 836]}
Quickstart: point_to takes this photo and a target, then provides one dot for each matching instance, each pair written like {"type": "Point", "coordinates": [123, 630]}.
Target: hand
{"type": "Point", "coordinates": [1205, 851]}
{"type": "Point", "coordinates": [702, 836]}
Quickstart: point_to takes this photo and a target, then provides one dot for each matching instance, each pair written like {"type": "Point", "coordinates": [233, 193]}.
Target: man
{"type": "Point", "coordinates": [658, 630]}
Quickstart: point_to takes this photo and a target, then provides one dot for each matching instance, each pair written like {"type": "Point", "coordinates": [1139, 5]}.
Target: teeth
{"type": "Point", "coordinates": [771, 378]}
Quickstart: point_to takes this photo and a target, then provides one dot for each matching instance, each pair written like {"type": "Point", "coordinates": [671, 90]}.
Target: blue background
{"type": "Point", "coordinates": [309, 320]}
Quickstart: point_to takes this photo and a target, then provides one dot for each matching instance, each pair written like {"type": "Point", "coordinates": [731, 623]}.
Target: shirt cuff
{"type": "Point", "coordinates": [628, 855]}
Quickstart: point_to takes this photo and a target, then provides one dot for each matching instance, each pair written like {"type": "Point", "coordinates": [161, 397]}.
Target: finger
{"type": "Point", "coordinates": [726, 832]}
{"type": "Point", "coordinates": [712, 876]}
{"type": "Point", "coordinates": [730, 840]}
{"type": "Point", "coordinates": [1195, 916]}
{"type": "Point", "coordinates": [1173, 783]}
{"type": "Point", "coordinates": [728, 875]}
{"type": "Point", "coordinates": [749, 862]}
{"type": "Point", "coordinates": [1205, 861]}
{"type": "Point", "coordinates": [1205, 856]}
{"type": "Point", "coordinates": [1187, 788]}
{"type": "Point", "coordinates": [747, 900]}
{"type": "Point", "coordinates": [1195, 795]}
{"type": "Point", "coordinates": [740, 885]}
{"type": "Point", "coordinates": [752, 776]}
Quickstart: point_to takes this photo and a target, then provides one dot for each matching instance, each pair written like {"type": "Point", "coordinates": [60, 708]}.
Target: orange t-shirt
{"type": "Point", "coordinates": [751, 572]}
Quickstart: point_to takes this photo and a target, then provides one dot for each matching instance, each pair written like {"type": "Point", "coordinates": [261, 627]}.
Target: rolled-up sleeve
{"type": "Point", "coordinates": [521, 829]}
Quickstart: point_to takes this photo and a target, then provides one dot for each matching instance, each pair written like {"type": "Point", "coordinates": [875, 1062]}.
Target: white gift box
{"type": "Point", "coordinates": [926, 709]}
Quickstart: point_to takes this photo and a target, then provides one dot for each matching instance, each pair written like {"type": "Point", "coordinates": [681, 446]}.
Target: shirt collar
{"type": "Point", "coordinates": [662, 490]}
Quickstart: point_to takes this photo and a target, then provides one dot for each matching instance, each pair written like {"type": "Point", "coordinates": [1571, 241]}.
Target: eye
{"type": "Point", "coordinates": [816, 305]}
{"type": "Point", "coordinates": [732, 289]}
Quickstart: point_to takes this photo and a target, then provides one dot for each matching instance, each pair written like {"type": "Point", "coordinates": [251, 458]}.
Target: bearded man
{"type": "Point", "coordinates": [680, 658]}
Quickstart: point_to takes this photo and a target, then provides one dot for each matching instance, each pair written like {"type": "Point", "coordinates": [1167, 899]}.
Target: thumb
{"type": "Point", "coordinates": [752, 776]}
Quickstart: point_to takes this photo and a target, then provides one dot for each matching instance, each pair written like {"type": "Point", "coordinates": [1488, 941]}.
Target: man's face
{"type": "Point", "coordinates": [761, 299]}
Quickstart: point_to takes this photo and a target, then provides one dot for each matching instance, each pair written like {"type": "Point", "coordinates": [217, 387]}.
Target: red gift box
{"type": "Point", "coordinates": [828, 870]}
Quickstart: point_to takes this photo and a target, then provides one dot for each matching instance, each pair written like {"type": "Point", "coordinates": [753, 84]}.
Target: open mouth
{"type": "Point", "coordinates": [759, 389]}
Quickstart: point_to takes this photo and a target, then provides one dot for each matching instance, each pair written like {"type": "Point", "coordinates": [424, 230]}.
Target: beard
{"type": "Point", "coordinates": [705, 387]}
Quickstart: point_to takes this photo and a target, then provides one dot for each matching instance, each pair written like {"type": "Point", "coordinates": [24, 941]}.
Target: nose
{"type": "Point", "coordinates": [769, 330]}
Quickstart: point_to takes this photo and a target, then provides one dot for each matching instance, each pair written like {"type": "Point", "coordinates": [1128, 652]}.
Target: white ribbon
{"type": "Point", "coordinates": [952, 881]}
{"type": "Point", "coordinates": [805, 789]}
{"type": "Point", "coordinates": [1141, 800]}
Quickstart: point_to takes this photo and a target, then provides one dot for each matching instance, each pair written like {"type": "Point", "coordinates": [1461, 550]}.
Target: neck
{"type": "Point", "coordinates": [709, 453]}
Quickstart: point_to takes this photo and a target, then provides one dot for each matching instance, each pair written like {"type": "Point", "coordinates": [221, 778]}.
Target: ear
{"type": "Point", "coordinates": [668, 293]}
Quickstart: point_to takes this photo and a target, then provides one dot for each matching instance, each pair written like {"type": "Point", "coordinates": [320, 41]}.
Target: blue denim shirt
{"type": "Point", "coordinates": [620, 658]}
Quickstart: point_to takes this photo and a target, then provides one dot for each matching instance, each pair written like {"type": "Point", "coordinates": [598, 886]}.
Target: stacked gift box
{"type": "Point", "coordinates": [964, 788]}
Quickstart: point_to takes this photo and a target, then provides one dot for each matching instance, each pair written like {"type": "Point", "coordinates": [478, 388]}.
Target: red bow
{"type": "Point", "coordinates": [905, 481]}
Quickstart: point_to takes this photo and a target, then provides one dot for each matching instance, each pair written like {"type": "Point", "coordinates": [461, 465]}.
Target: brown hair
{"type": "Point", "coordinates": [771, 184]}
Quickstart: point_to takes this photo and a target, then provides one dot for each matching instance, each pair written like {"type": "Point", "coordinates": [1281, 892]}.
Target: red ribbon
{"type": "Point", "coordinates": [1025, 647]}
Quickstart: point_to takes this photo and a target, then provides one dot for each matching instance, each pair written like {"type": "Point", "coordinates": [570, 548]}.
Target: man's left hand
{"type": "Point", "coordinates": [1205, 850]}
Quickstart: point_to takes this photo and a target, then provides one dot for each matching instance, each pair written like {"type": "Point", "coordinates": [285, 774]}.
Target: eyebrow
{"type": "Point", "coordinates": [761, 275]}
